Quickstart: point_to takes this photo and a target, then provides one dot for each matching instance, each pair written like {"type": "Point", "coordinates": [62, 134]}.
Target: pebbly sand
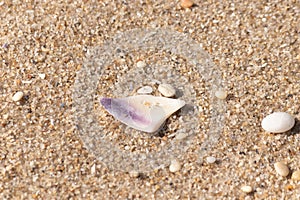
{"type": "Point", "coordinates": [45, 155]}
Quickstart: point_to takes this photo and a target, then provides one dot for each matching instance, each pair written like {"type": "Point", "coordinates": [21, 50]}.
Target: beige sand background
{"type": "Point", "coordinates": [254, 43]}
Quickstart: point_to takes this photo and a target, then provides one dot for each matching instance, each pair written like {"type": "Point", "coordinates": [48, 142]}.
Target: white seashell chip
{"type": "Point", "coordinates": [18, 96]}
{"type": "Point", "coordinates": [246, 189]}
{"type": "Point", "coordinates": [175, 166]}
{"type": "Point", "coordinates": [278, 122]}
{"type": "Point", "coordinates": [167, 90]}
{"type": "Point", "coordinates": [221, 94]}
{"type": "Point", "coordinates": [142, 112]}
{"type": "Point", "coordinates": [145, 90]}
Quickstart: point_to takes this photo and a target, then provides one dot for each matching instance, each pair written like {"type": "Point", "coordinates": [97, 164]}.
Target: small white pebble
{"type": "Point", "coordinates": [42, 146]}
{"type": "Point", "coordinates": [246, 189]}
{"type": "Point", "coordinates": [211, 159]}
{"type": "Point", "coordinates": [35, 177]}
{"type": "Point", "coordinates": [42, 76]}
{"type": "Point", "coordinates": [175, 166]}
{"type": "Point", "coordinates": [221, 94]}
{"type": "Point", "coordinates": [278, 122]}
{"type": "Point", "coordinates": [18, 96]}
{"type": "Point", "coordinates": [141, 64]}
{"type": "Point", "coordinates": [281, 168]}
{"type": "Point", "coordinates": [127, 147]}
{"type": "Point", "coordinates": [93, 169]}
{"type": "Point", "coordinates": [134, 174]}
{"type": "Point", "coordinates": [52, 121]}
{"type": "Point", "coordinates": [27, 82]}
{"type": "Point", "coordinates": [296, 175]}
{"type": "Point", "coordinates": [145, 90]}
{"type": "Point", "coordinates": [5, 116]}
{"type": "Point", "coordinates": [166, 90]}
{"type": "Point", "coordinates": [32, 164]}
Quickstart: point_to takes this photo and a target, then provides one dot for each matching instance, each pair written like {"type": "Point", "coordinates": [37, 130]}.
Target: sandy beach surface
{"type": "Point", "coordinates": [53, 52]}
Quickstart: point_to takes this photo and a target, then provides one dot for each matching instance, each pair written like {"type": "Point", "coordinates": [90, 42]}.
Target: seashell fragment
{"type": "Point", "coordinates": [211, 159]}
{"type": "Point", "coordinates": [142, 112]}
{"type": "Point", "coordinates": [221, 94]}
{"type": "Point", "coordinates": [167, 90]}
{"type": "Point", "coordinates": [278, 122]}
{"type": "Point", "coordinates": [145, 90]}
{"type": "Point", "coordinates": [296, 175]}
{"type": "Point", "coordinates": [42, 76]}
{"type": "Point", "coordinates": [18, 96]}
{"type": "Point", "coordinates": [175, 166]}
{"type": "Point", "coordinates": [141, 64]}
{"type": "Point", "coordinates": [247, 189]}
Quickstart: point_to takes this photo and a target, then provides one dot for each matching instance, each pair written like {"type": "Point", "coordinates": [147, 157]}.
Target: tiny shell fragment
{"type": "Point", "coordinates": [166, 90]}
{"type": "Point", "coordinates": [211, 159]}
{"type": "Point", "coordinates": [141, 64]}
{"type": "Point", "coordinates": [246, 189]}
{"type": "Point", "coordinates": [145, 90]}
{"type": "Point", "coordinates": [42, 76]}
{"type": "Point", "coordinates": [175, 166]}
{"type": "Point", "coordinates": [93, 169]}
{"type": "Point", "coordinates": [278, 122]}
{"type": "Point", "coordinates": [134, 174]}
{"type": "Point", "coordinates": [18, 96]}
{"type": "Point", "coordinates": [5, 116]}
{"type": "Point", "coordinates": [296, 175]}
{"type": "Point", "coordinates": [220, 94]}
{"type": "Point", "coordinates": [282, 169]}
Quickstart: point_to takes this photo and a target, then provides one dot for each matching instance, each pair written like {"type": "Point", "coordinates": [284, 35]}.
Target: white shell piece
{"type": "Point", "coordinates": [211, 159]}
{"type": "Point", "coordinates": [167, 90]}
{"type": "Point", "coordinates": [246, 189]}
{"type": "Point", "coordinates": [278, 122]}
{"type": "Point", "coordinates": [142, 112]}
{"type": "Point", "coordinates": [175, 166]}
{"type": "Point", "coordinates": [221, 94]}
{"type": "Point", "coordinates": [296, 175]}
{"type": "Point", "coordinates": [145, 90]}
{"type": "Point", "coordinates": [18, 96]}
{"type": "Point", "coordinates": [141, 64]}
{"type": "Point", "coordinates": [42, 76]}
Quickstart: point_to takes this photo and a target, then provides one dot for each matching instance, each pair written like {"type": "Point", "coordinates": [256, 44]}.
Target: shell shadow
{"type": "Point", "coordinates": [179, 93]}
{"type": "Point", "coordinates": [162, 131]}
{"type": "Point", "coordinates": [296, 128]}
{"type": "Point", "coordinates": [187, 109]}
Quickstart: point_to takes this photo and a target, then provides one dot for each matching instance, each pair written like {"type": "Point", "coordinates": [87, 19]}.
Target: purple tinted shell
{"type": "Point", "coordinates": [106, 102]}
{"type": "Point", "coordinates": [123, 111]}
